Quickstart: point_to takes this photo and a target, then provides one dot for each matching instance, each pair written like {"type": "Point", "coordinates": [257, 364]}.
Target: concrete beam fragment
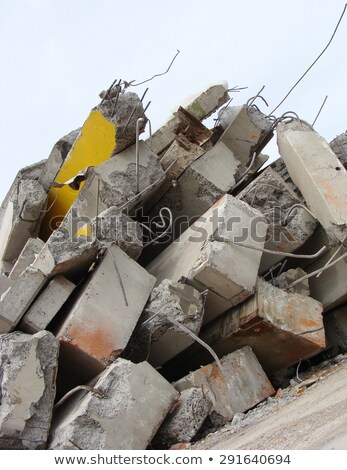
{"type": "Point", "coordinates": [288, 229]}
{"type": "Point", "coordinates": [27, 256]}
{"type": "Point", "coordinates": [319, 174]}
{"type": "Point", "coordinates": [200, 107]}
{"type": "Point", "coordinates": [280, 327]}
{"type": "Point", "coordinates": [19, 298]}
{"type": "Point", "coordinates": [21, 220]}
{"type": "Point", "coordinates": [227, 270]}
{"type": "Point", "coordinates": [47, 305]}
{"type": "Point", "coordinates": [135, 402]}
{"type": "Point", "coordinates": [185, 420]}
{"type": "Point", "coordinates": [242, 385]}
{"type": "Point", "coordinates": [158, 340]}
{"type": "Point", "coordinates": [284, 280]}
{"type": "Point", "coordinates": [103, 317]}
{"type": "Point", "coordinates": [339, 147]}
{"type": "Point", "coordinates": [243, 128]}
{"type": "Point", "coordinates": [28, 367]}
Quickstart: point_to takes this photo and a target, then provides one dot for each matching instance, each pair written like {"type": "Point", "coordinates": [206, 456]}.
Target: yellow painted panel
{"type": "Point", "coordinates": [94, 146]}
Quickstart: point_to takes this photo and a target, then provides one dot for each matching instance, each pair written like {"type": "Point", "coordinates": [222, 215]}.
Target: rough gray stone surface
{"type": "Point", "coordinates": [128, 106]}
{"type": "Point", "coordinates": [28, 366]}
{"type": "Point", "coordinates": [57, 157]}
{"type": "Point", "coordinates": [339, 146]}
{"type": "Point", "coordinates": [184, 422]}
{"type": "Point", "coordinates": [159, 340]}
{"type": "Point", "coordinates": [136, 401]}
{"type": "Point", "coordinates": [287, 278]}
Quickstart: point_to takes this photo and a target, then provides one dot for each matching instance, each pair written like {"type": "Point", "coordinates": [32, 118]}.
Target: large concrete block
{"type": "Point", "coordinates": [135, 402]}
{"type": "Point", "coordinates": [318, 173]}
{"type": "Point", "coordinates": [244, 126]}
{"type": "Point", "coordinates": [28, 367]}
{"type": "Point", "coordinates": [185, 420]}
{"type": "Point", "coordinates": [21, 220]}
{"type": "Point", "coordinates": [274, 198]}
{"type": "Point", "coordinates": [207, 258]}
{"type": "Point", "coordinates": [94, 145]}
{"type": "Point", "coordinates": [242, 385]}
{"type": "Point", "coordinates": [47, 305]}
{"type": "Point", "coordinates": [199, 106]}
{"type": "Point", "coordinates": [105, 314]}
{"type": "Point", "coordinates": [19, 297]}
{"type": "Point", "coordinates": [27, 256]}
{"type": "Point", "coordinates": [280, 327]}
{"type": "Point", "coordinates": [158, 340]}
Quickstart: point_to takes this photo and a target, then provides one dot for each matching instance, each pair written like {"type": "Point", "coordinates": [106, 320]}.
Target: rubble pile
{"type": "Point", "coordinates": [151, 289]}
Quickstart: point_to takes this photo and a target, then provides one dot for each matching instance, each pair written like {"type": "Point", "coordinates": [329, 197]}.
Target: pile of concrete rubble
{"type": "Point", "coordinates": [154, 288]}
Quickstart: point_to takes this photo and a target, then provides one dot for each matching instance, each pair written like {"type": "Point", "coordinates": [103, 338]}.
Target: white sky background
{"type": "Point", "coordinates": [57, 55]}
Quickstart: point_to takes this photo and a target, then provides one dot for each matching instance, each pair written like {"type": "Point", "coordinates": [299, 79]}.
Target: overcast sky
{"type": "Point", "coordinates": [57, 55]}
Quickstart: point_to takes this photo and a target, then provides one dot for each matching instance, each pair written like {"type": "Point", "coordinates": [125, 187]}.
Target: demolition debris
{"type": "Point", "coordinates": [154, 290]}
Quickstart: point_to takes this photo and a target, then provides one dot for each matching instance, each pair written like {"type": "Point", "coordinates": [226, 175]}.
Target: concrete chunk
{"type": "Point", "coordinates": [48, 304]}
{"type": "Point", "coordinates": [57, 157]}
{"type": "Point", "coordinates": [21, 220]}
{"type": "Point", "coordinates": [244, 126]}
{"type": "Point", "coordinates": [184, 422]}
{"type": "Point", "coordinates": [27, 256]}
{"type": "Point", "coordinates": [275, 199]}
{"type": "Point", "coordinates": [28, 367]}
{"type": "Point", "coordinates": [281, 328]}
{"type": "Point", "coordinates": [137, 399]}
{"type": "Point", "coordinates": [105, 314]}
{"type": "Point", "coordinates": [227, 270]}
{"type": "Point", "coordinates": [159, 340]}
{"type": "Point", "coordinates": [19, 298]}
{"type": "Point", "coordinates": [242, 385]}
{"type": "Point", "coordinates": [319, 174]}
{"type": "Point", "coordinates": [200, 107]}
{"type": "Point", "coordinates": [284, 280]}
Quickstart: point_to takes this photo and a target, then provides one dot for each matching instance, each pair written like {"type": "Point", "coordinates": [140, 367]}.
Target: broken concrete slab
{"type": "Point", "coordinates": [284, 280]}
{"type": "Point", "coordinates": [135, 401]}
{"type": "Point", "coordinates": [210, 256]}
{"type": "Point", "coordinates": [242, 384]}
{"type": "Point", "coordinates": [339, 147]}
{"type": "Point", "coordinates": [335, 324]}
{"type": "Point", "coordinates": [319, 174]}
{"type": "Point", "coordinates": [57, 157]}
{"type": "Point", "coordinates": [182, 423]}
{"type": "Point", "coordinates": [280, 327]}
{"type": "Point", "coordinates": [48, 304]}
{"type": "Point", "coordinates": [21, 220]}
{"type": "Point", "coordinates": [103, 317]}
{"type": "Point", "coordinates": [28, 367]}
{"type": "Point", "coordinates": [27, 256]}
{"type": "Point", "coordinates": [94, 145]}
{"type": "Point", "coordinates": [244, 127]}
{"type": "Point", "coordinates": [19, 297]}
{"type": "Point", "coordinates": [200, 107]}
{"type": "Point", "coordinates": [159, 340]}
{"type": "Point", "coordinates": [288, 229]}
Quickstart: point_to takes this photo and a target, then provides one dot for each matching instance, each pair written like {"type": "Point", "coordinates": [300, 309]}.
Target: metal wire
{"type": "Point", "coordinates": [137, 151]}
{"type": "Point", "coordinates": [157, 74]}
{"type": "Point", "coordinates": [313, 63]}
{"type": "Point", "coordinates": [189, 332]}
{"type": "Point", "coordinates": [218, 238]}
{"type": "Point", "coordinates": [295, 206]}
{"type": "Point", "coordinates": [95, 391]}
{"type": "Point", "coordinates": [324, 268]}
{"type": "Point", "coordinates": [119, 278]}
{"type": "Point", "coordinates": [320, 110]}
{"type": "Point", "coordinates": [155, 240]}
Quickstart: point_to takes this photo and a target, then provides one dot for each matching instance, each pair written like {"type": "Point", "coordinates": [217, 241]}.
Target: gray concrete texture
{"type": "Point", "coordinates": [28, 367]}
